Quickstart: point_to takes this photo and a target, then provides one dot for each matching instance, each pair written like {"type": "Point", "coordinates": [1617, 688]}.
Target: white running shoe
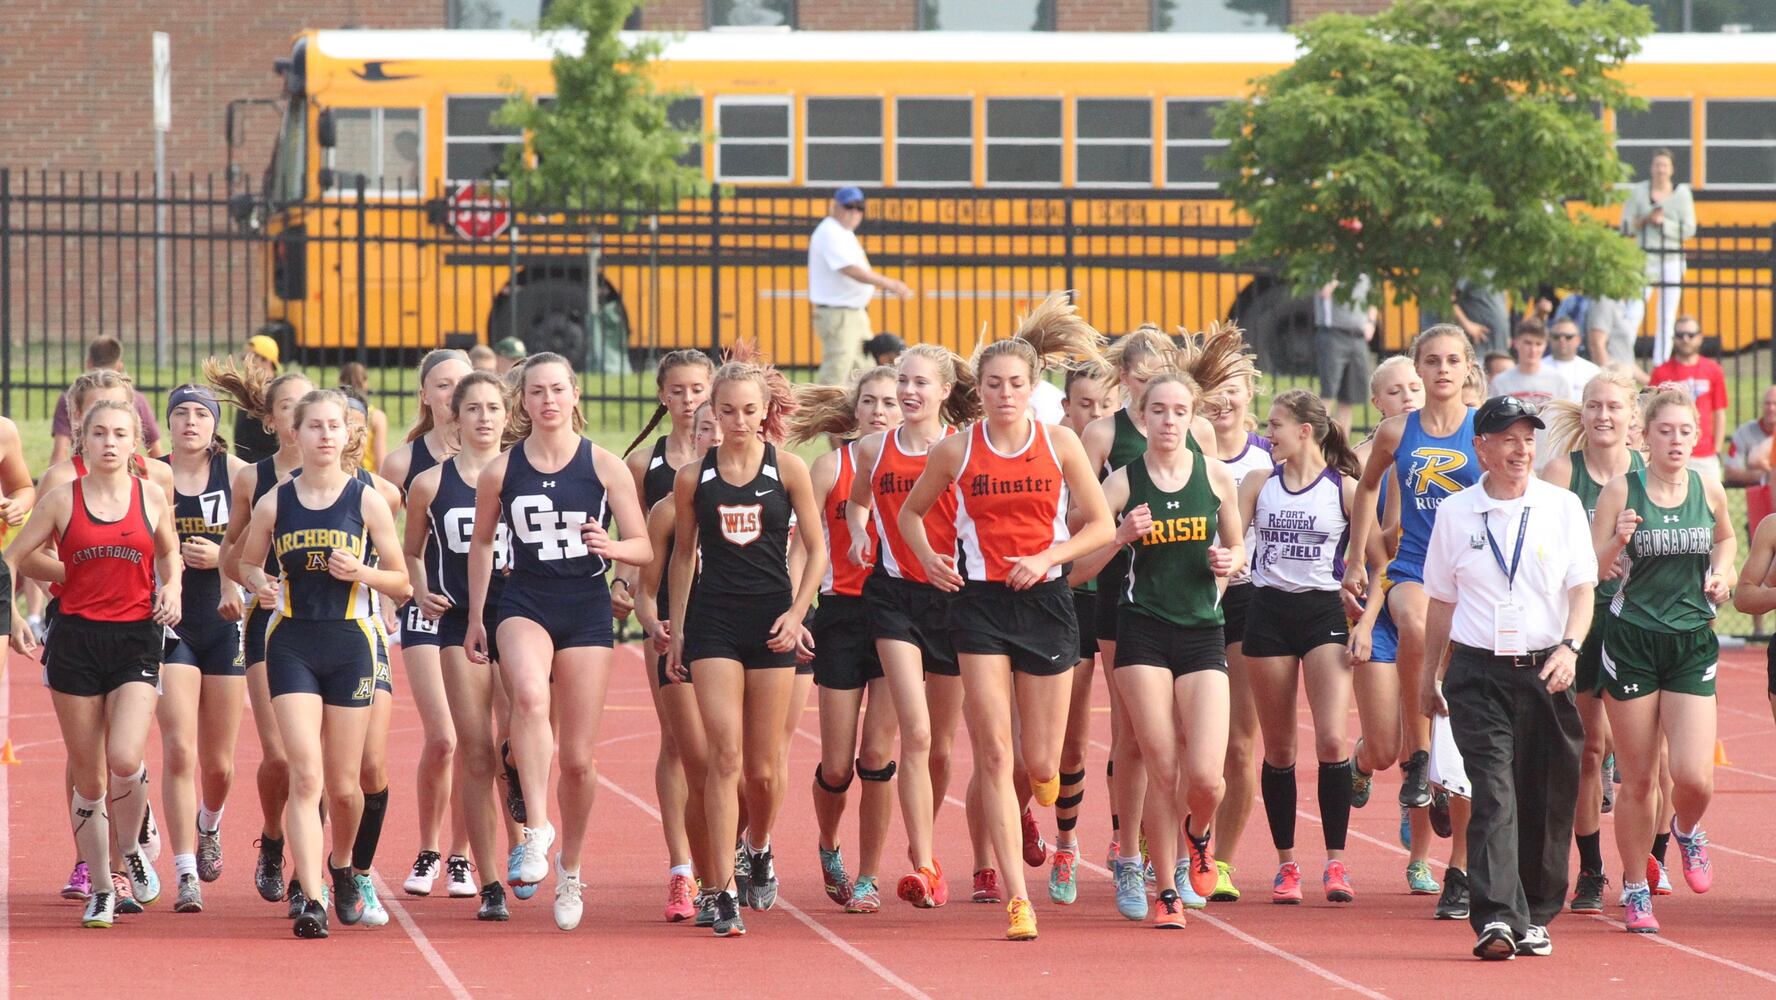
{"type": "Point", "coordinates": [144, 882]}
{"type": "Point", "coordinates": [568, 906]}
{"type": "Point", "coordinates": [535, 865]}
{"type": "Point", "coordinates": [99, 910]}
{"type": "Point", "coordinates": [425, 873]}
{"type": "Point", "coordinates": [374, 913]}
{"type": "Point", "coordinates": [461, 885]}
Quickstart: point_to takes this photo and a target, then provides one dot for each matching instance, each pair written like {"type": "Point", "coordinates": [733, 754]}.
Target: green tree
{"type": "Point", "coordinates": [1438, 140]}
{"type": "Point", "coordinates": [605, 139]}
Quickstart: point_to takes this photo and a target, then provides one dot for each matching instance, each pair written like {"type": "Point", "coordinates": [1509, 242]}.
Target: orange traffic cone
{"type": "Point", "coordinates": [1720, 755]}
{"type": "Point", "coordinates": [7, 754]}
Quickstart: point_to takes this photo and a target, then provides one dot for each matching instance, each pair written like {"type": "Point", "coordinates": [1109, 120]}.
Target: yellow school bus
{"type": "Point", "coordinates": [999, 167]}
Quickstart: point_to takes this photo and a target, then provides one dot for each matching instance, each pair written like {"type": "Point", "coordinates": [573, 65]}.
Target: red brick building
{"type": "Point", "coordinates": [77, 77]}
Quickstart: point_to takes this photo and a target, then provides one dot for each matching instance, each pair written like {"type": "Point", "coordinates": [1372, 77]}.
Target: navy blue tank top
{"type": "Point", "coordinates": [452, 519]}
{"type": "Point", "coordinates": [544, 511]}
{"type": "Point", "coordinates": [203, 515]}
{"type": "Point", "coordinates": [742, 531]}
{"type": "Point", "coordinates": [657, 484]}
{"type": "Point", "coordinates": [265, 476]}
{"type": "Point", "coordinates": [303, 539]}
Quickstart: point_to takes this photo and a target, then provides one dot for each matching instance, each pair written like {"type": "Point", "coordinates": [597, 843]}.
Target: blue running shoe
{"type": "Point", "coordinates": [514, 862]}
{"type": "Point", "coordinates": [1186, 893]}
{"type": "Point", "coordinates": [1131, 890]}
{"type": "Point", "coordinates": [1405, 828]}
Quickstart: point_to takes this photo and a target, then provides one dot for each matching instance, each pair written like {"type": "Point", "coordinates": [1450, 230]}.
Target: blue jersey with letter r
{"type": "Point", "coordinates": [1430, 470]}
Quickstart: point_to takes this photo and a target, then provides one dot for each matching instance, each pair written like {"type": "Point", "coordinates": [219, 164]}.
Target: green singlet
{"type": "Point", "coordinates": [1668, 561]}
{"type": "Point", "coordinates": [1588, 491]}
{"type": "Point", "coordinates": [1169, 576]}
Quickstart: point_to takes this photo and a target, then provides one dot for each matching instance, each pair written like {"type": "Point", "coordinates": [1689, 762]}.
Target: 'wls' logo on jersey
{"type": "Point", "coordinates": [741, 523]}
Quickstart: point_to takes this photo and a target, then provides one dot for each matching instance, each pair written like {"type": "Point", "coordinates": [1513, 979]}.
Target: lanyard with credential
{"type": "Point", "coordinates": [1516, 555]}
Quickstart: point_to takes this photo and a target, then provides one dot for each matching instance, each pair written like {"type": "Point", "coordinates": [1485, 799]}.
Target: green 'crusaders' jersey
{"type": "Point", "coordinates": [1169, 576]}
{"type": "Point", "coordinates": [1588, 491]}
{"type": "Point", "coordinates": [1668, 562]}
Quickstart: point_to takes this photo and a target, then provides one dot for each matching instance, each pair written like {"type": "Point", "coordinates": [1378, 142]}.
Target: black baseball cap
{"type": "Point", "coordinates": [1500, 412]}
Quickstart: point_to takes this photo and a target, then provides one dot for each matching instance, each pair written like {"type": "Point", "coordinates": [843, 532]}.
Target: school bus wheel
{"type": "Point", "coordinates": [1279, 325]}
{"type": "Point", "coordinates": [547, 315]}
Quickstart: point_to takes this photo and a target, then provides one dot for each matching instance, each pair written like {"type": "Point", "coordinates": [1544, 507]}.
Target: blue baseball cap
{"type": "Point", "coordinates": [850, 197]}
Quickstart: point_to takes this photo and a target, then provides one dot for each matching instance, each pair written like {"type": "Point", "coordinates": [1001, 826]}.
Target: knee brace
{"type": "Point", "coordinates": [820, 779]}
{"type": "Point", "coordinates": [886, 772]}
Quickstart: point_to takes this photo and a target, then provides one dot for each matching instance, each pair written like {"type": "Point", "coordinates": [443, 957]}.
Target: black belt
{"type": "Point", "coordinates": [1530, 660]}
{"type": "Point", "coordinates": [1338, 330]}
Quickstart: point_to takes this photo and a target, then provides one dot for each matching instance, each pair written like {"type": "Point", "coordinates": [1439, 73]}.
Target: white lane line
{"type": "Point", "coordinates": [420, 941]}
{"type": "Point", "coordinates": [1692, 952]}
{"type": "Point", "coordinates": [862, 958]}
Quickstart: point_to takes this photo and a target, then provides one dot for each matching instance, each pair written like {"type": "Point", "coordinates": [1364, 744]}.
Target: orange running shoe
{"type": "Point", "coordinates": [1170, 911]}
{"type": "Point", "coordinates": [940, 889]}
{"type": "Point", "coordinates": [1023, 920]}
{"type": "Point", "coordinates": [986, 886]}
{"type": "Point", "coordinates": [924, 888]}
{"type": "Point", "coordinates": [1336, 879]}
{"type": "Point", "coordinates": [1286, 887]}
{"type": "Point", "coordinates": [1203, 873]}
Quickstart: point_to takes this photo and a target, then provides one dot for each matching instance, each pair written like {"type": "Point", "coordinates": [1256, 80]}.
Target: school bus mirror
{"type": "Point", "coordinates": [326, 130]}
{"type": "Point", "coordinates": [240, 207]}
{"type": "Point", "coordinates": [325, 178]}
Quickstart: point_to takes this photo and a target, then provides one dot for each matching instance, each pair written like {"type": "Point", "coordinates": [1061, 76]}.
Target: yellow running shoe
{"type": "Point", "coordinates": [1023, 920]}
{"type": "Point", "coordinates": [1225, 890]}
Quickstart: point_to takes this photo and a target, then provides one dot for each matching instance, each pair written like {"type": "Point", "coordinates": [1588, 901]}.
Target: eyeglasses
{"type": "Point", "coordinates": [1566, 336]}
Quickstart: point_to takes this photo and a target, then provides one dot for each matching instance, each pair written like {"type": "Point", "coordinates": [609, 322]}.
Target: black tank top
{"type": "Point", "coordinates": [742, 532]}
{"type": "Point", "coordinates": [203, 515]}
{"type": "Point", "coordinates": [544, 512]}
{"type": "Point", "coordinates": [452, 518]}
{"type": "Point", "coordinates": [265, 476]}
{"type": "Point", "coordinates": [657, 484]}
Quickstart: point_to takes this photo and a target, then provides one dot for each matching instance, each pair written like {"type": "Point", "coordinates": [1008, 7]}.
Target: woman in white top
{"type": "Point", "coordinates": [1661, 215]}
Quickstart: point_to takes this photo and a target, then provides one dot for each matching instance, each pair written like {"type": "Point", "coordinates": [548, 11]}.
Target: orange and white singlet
{"type": "Point", "coordinates": [842, 575]}
{"type": "Point", "coordinates": [891, 480]}
{"type": "Point", "coordinates": [1012, 505]}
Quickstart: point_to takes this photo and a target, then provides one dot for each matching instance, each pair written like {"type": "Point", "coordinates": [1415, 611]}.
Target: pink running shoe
{"type": "Point", "coordinates": [1698, 872]}
{"type": "Point", "coordinates": [681, 898]}
{"type": "Point", "coordinates": [1286, 887]}
{"type": "Point", "coordinates": [1035, 849]}
{"type": "Point", "coordinates": [986, 886]}
{"type": "Point", "coordinates": [1337, 882]}
{"type": "Point", "coordinates": [79, 883]}
{"type": "Point", "coordinates": [1639, 902]}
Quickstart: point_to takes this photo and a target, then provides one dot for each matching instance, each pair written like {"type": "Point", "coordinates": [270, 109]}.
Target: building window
{"type": "Point", "coordinates": [1711, 15]}
{"type": "Point", "coordinates": [1741, 144]}
{"type": "Point", "coordinates": [382, 144]}
{"type": "Point", "coordinates": [753, 138]}
{"type": "Point", "coordinates": [752, 13]}
{"type": "Point", "coordinates": [933, 140]}
{"type": "Point", "coordinates": [986, 15]}
{"type": "Point", "coordinates": [1113, 141]}
{"type": "Point", "coordinates": [1023, 141]}
{"type": "Point", "coordinates": [493, 14]}
{"type": "Point", "coordinates": [474, 145]}
{"type": "Point", "coordinates": [1220, 15]}
{"type": "Point", "coordinates": [686, 115]}
{"type": "Point", "coordinates": [1665, 124]}
{"type": "Point", "coordinates": [1190, 141]}
{"type": "Point", "coordinates": [844, 140]}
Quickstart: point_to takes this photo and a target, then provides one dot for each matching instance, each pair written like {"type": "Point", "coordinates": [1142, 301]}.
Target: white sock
{"type": "Point", "coordinates": [129, 801]}
{"type": "Point", "coordinates": [185, 864]}
{"type": "Point", "coordinates": [747, 842]}
{"type": "Point", "coordinates": [209, 820]}
{"type": "Point", "coordinates": [92, 838]}
{"type": "Point", "coordinates": [1136, 860]}
{"type": "Point", "coordinates": [684, 870]}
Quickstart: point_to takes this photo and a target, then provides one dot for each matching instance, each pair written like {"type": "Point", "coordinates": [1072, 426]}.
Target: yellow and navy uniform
{"type": "Point", "coordinates": [323, 639]}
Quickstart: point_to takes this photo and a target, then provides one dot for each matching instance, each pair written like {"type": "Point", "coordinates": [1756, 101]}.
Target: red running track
{"type": "Point", "coordinates": [1385, 945]}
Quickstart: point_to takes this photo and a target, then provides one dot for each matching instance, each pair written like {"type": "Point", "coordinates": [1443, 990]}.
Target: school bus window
{"type": "Point", "coordinates": [1665, 124]}
{"type": "Point", "coordinates": [493, 14]}
{"type": "Point", "coordinates": [844, 141]}
{"type": "Point", "coordinates": [382, 144]}
{"type": "Point", "coordinates": [986, 15]}
{"type": "Point", "coordinates": [1023, 141]}
{"type": "Point", "coordinates": [752, 138]}
{"type": "Point", "coordinates": [1190, 141]}
{"type": "Point", "coordinates": [1113, 141]}
{"type": "Point", "coordinates": [934, 140]}
{"type": "Point", "coordinates": [288, 174]}
{"type": "Point", "coordinates": [752, 13]}
{"type": "Point", "coordinates": [473, 144]}
{"type": "Point", "coordinates": [686, 115]}
{"type": "Point", "coordinates": [1741, 144]}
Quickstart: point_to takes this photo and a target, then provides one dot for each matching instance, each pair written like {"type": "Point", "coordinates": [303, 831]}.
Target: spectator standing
{"type": "Point", "coordinates": [1530, 380]}
{"type": "Point", "coordinates": [482, 359]}
{"type": "Point", "coordinates": [1706, 384]}
{"type": "Point", "coordinates": [1343, 327]}
{"type": "Point", "coordinates": [1563, 358]}
{"type": "Point", "coordinates": [1512, 653]}
{"type": "Point", "coordinates": [1610, 328]}
{"type": "Point", "coordinates": [508, 352]}
{"type": "Point", "coordinates": [1661, 214]}
{"type": "Point", "coordinates": [841, 284]}
{"type": "Point", "coordinates": [1497, 363]}
{"type": "Point", "coordinates": [1484, 314]}
{"type": "Point", "coordinates": [104, 353]}
{"type": "Point", "coordinates": [884, 348]}
{"type": "Point", "coordinates": [1747, 459]}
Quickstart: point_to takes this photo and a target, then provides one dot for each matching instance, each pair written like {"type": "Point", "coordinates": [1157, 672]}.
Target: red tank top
{"type": "Point", "coordinates": [891, 480]}
{"type": "Point", "coordinates": [1012, 505]}
{"type": "Point", "coordinates": [138, 468]}
{"type": "Point", "coordinates": [842, 575]}
{"type": "Point", "coordinates": [109, 564]}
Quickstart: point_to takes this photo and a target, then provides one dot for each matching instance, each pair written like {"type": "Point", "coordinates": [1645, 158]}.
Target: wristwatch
{"type": "Point", "coordinates": [1572, 644]}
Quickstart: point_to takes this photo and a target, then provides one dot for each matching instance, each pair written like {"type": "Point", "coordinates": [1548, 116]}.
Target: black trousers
{"type": "Point", "coordinates": [1521, 746]}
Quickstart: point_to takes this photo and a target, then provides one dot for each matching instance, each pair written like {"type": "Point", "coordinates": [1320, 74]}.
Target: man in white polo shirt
{"type": "Point", "coordinates": [841, 284]}
{"type": "Point", "coordinates": [1510, 574]}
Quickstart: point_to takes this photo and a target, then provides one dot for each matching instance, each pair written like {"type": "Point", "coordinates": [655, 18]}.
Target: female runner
{"type": "Point", "coordinates": [88, 389]}
{"type": "Point", "coordinates": [555, 490]}
{"type": "Point", "coordinates": [1430, 453]}
{"type": "Point", "coordinates": [1660, 653]}
{"type": "Point", "coordinates": [909, 617]}
{"type": "Point", "coordinates": [1013, 625]}
{"type": "Point", "coordinates": [322, 526]}
{"type": "Point", "coordinates": [846, 663]}
{"type": "Point", "coordinates": [1090, 394]}
{"type": "Point", "coordinates": [1171, 663]}
{"type": "Point", "coordinates": [681, 382]}
{"type": "Point", "coordinates": [432, 439]}
{"type": "Point", "coordinates": [273, 402]}
{"type": "Point", "coordinates": [203, 683]}
{"type": "Point", "coordinates": [1590, 445]}
{"type": "Point", "coordinates": [653, 602]}
{"type": "Point", "coordinates": [1296, 629]}
{"type": "Point", "coordinates": [355, 376]}
{"type": "Point", "coordinates": [443, 510]}
{"type": "Point", "coordinates": [103, 660]}
{"type": "Point", "coordinates": [740, 647]}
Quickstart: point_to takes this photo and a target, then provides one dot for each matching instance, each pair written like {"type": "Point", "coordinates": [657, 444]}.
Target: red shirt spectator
{"type": "Point", "coordinates": [1704, 381]}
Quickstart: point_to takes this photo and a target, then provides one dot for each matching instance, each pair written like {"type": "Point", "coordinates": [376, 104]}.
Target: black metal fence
{"type": "Point", "coordinates": [377, 277]}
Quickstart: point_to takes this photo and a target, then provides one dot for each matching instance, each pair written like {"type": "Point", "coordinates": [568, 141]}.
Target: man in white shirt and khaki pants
{"type": "Point", "coordinates": [841, 284]}
{"type": "Point", "coordinates": [1510, 574]}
